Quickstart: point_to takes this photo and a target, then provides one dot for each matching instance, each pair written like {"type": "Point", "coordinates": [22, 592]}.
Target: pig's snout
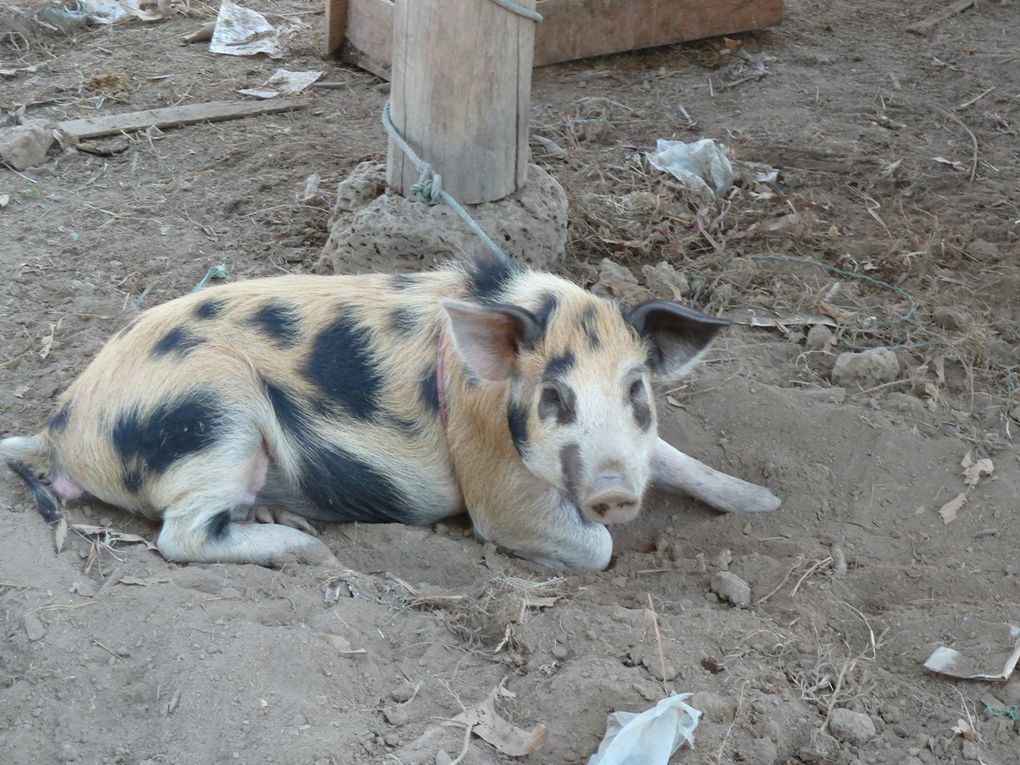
{"type": "Point", "coordinates": [611, 500]}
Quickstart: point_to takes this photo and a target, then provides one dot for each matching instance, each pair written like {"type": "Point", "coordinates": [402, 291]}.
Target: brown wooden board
{"type": "Point", "coordinates": [572, 29]}
{"type": "Point", "coordinates": [174, 116]}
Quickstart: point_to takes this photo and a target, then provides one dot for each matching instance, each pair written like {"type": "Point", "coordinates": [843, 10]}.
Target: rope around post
{"type": "Point", "coordinates": [429, 188]}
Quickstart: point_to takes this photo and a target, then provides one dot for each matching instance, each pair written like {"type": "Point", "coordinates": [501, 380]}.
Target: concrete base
{"type": "Point", "coordinates": [373, 230]}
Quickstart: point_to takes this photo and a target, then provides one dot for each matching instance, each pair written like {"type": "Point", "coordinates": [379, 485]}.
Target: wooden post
{"type": "Point", "coordinates": [461, 95]}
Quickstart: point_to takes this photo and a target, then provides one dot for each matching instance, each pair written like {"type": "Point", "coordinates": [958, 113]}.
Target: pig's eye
{"type": "Point", "coordinates": [637, 389]}
{"type": "Point", "coordinates": [551, 398]}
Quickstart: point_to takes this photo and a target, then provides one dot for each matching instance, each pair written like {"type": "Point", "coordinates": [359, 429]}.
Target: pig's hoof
{"type": "Point", "coordinates": [285, 518]}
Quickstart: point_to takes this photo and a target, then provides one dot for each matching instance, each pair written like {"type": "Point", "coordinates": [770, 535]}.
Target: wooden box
{"type": "Point", "coordinates": [362, 30]}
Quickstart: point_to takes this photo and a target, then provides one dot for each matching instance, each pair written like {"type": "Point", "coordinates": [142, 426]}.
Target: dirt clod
{"type": "Point", "coordinates": [731, 588]}
{"type": "Point", "coordinates": [866, 369]}
{"type": "Point", "coordinates": [852, 727]}
{"type": "Point", "coordinates": [34, 629]}
{"type": "Point", "coordinates": [715, 707]}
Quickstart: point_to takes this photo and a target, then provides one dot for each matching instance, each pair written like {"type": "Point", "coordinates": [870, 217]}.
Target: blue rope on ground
{"type": "Point", "coordinates": [429, 188]}
{"type": "Point", "coordinates": [871, 325]}
{"type": "Point", "coordinates": [520, 10]}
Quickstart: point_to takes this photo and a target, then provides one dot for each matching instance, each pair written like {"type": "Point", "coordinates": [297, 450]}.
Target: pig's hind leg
{"type": "Point", "coordinates": [208, 518]}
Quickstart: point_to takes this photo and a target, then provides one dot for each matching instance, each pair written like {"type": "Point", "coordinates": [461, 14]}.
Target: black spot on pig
{"type": "Point", "coordinates": [278, 322]}
{"type": "Point", "coordinates": [559, 366]}
{"type": "Point", "coordinates": [517, 420]}
{"type": "Point", "coordinates": [210, 309]}
{"type": "Point", "coordinates": [218, 525]}
{"type": "Point", "coordinates": [149, 443]}
{"type": "Point", "coordinates": [342, 366]}
{"type": "Point", "coordinates": [546, 309]}
{"type": "Point", "coordinates": [589, 327]}
{"type": "Point", "coordinates": [58, 422]}
{"type": "Point", "coordinates": [178, 340]}
{"type": "Point", "coordinates": [401, 282]}
{"type": "Point", "coordinates": [341, 486]}
{"type": "Point", "coordinates": [489, 275]}
{"type": "Point", "coordinates": [430, 390]}
{"type": "Point", "coordinates": [404, 320]}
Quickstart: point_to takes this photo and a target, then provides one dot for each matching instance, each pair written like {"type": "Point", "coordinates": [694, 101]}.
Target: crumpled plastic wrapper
{"type": "Point", "coordinates": [703, 165]}
{"type": "Point", "coordinates": [283, 82]}
{"type": "Point", "coordinates": [243, 32]}
{"type": "Point", "coordinates": [650, 737]}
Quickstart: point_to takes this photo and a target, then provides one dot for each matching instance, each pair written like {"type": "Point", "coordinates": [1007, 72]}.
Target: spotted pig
{"type": "Point", "coordinates": [513, 395]}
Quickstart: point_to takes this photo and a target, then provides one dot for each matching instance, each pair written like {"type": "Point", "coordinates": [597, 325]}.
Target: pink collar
{"type": "Point", "coordinates": [441, 376]}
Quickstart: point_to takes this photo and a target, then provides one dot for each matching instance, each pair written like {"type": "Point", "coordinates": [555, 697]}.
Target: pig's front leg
{"type": "Point", "coordinates": [675, 471]}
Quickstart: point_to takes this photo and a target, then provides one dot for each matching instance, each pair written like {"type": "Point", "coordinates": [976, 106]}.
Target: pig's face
{"type": "Point", "coordinates": [580, 410]}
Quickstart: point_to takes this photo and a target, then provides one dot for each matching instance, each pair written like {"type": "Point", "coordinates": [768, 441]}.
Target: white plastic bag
{"type": "Point", "coordinates": [650, 737]}
{"type": "Point", "coordinates": [703, 165]}
{"type": "Point", "coordinates": [241, 31]}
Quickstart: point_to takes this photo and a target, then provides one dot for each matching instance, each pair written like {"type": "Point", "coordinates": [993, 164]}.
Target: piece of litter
{"type": "Point", "coordinates": [951, 509]}
{"type": "Point", "coordinates": [214, 272]}
{"type": "Point", "coordinates": [283, 82]}
{"type": "Point", "coordinates": [991, 653]}
{"type": "Point", "coordinates": [243, 32]}
{"type": "Point", "coordinates": [975, 471]}
{"type": "Point", "coordinates": [1011, 712]}
{"type": "Point", "coordinates": [112, 11]}
{"type": "Point", "coordinates": [650, 737]}
{"type": "Point", "coordinates": [703, 165]}
{"type": "Point", "coordinates": [5, 199]}
{"type": "Point", "coordinates": [953, 164]}
{"type": "Point", "coordinates": [965, 729]}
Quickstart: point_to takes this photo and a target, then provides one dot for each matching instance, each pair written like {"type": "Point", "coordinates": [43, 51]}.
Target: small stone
{"type": "Point", "coordinates": [866, 369]}
{"type": "Point", "coordinates": [395, 715]}
{"type": "Point", "coordinates": [852, 727]}
{"type": "Point", "coordinates": [949, 318]}
{"type": "Point", "coordinates": [67, 753]}
{"type": "Point", "coordinates": [763, 752]}
{"type": "Point", "coordinates": [732, 588]}
{"type": "Point", "coordinates": [26, 145]}
{"type": "Point", "coordinates": [723, 560]}
{"type": "Point", "coordinates": [391, 739]}
{"type": "Point", "coordinates": [971, 751]}
{"type": "Point", "coordinates": [560, 652]}
{"type": "Point", "coordinates": [716, 708]}
{"type": "Point", "coordinates": [34, 629]}
{"type": "Point", "coordinates": [983, 250]}
{"type": "Point", "coordinates": [819, 338]}
{"type": "Point", "coordinates": [402, 694]}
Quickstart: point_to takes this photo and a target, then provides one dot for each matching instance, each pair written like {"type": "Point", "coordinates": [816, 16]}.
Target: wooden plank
{"type": "Point", "coordinates": [461, 96]}
{"type": "Point", "coordinates": [924, 26]}
{"type": "Point", "coordinates": [577, 29]}
{"type": "Point", "coordinates": [369, 42]}
{"type": "Point", "coordinates": [336, 24]}
{"type": "Point", "coordinates": [174, 116]}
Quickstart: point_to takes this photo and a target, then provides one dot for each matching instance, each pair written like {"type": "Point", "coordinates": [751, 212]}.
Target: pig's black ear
{"type": "Point", "coordinates": [677, 335]}
{"type": "Point", "coordinates": [488, 338]}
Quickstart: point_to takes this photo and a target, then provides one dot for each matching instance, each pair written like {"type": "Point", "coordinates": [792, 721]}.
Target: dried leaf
{"type": "Point", "coordinates": [343, 645]}
{"type": "Point", "coordinates": [112, 535]}
{"type": "Point", "coordinates": [139, 582]}
{"type": "Point", "coordinates": [951, 509]}
{"type": "Point", "coordinates": [60, 534]}
{"type": "Point", "coordinates": [47, 342]}
{"type": "Point", "coordinates": [486, 723]}
{"type": "Point", "coordinates": [965, 729]}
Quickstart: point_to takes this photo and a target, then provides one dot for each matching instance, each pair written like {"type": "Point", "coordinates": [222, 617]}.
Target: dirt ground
{"type": "Point", "coordinates": [899, 159]}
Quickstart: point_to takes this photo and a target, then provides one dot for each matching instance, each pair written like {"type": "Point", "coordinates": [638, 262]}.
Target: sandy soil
{"type": "Point", "coordinates": [111, 655]}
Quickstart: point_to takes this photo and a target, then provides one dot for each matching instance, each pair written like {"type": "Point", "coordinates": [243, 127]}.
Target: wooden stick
{"type": "Point", "coordinates": [175, 116]}
{"type": "Point", "coordinates": [924, 26]}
